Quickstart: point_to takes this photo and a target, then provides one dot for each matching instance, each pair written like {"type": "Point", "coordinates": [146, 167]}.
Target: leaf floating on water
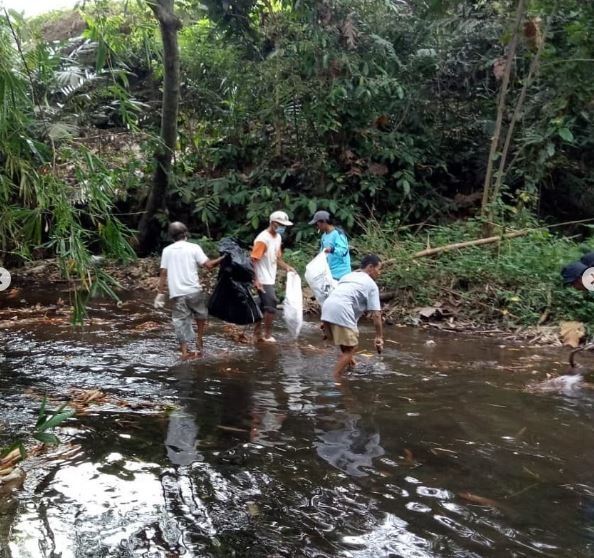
{"type": "Point", "coordinates": [148, 326]}
{"type": "Point", "coordinates": [231, 428]}
{"type": "Point", "coordinates": [571, 333]}
{"type": "Point", "coordinates": [531, 473]}
{"type": "Point", "coordinates": [520, 432]}
{"type": "Point", "coordinates": [409, 458]}
{"type": "Point", "coordinates": [11, 459]}
{"type": "Point", "coordinates": [444, 450]}
{"type": "Point", "coordinates": [12, 481]}
{"type": "Point", "coordinates": [253, 509]}
{"type": "Point", "coordinates": [235, 334]}
{"type": "Point", "coordinates": [479, 500]}
{"type": "Point", "coordinates": [84, 397]}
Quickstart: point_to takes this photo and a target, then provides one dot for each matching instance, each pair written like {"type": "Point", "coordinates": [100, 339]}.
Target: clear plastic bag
{"type": "Point", "coordinates": [293, 304]}
{"type": "Point", "coordinates": [319, 277]}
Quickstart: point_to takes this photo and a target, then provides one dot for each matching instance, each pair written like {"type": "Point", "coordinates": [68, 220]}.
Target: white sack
{"type": "Point", "coordinates": [293, 304]}
{"type": "Point", "coordinates": [319, 277]}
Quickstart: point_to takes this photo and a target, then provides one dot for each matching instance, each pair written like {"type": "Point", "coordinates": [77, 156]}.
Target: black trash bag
{"type": "Point", "coordinates": [231, 300]}
{"type": "Point", "coordinates": [237, 262]}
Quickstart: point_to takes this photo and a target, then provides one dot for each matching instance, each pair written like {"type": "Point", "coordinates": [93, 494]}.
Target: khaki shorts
{"type": "Point", "coordinates": [342, 336]}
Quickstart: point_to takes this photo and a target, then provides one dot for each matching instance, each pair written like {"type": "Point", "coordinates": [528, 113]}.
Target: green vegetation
{"type": "Point", "coordinates": [449, 119]}
{"type": "Point", "coordinates": [512, 283]}
{"type": "Point", "coordinates": [46, 421]}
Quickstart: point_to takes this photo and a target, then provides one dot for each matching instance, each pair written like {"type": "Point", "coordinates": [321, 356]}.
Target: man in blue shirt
{"type": "Point", "coordinates": [335, 243]}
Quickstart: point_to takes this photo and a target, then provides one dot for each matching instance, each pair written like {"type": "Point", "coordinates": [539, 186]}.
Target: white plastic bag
{"type": "Point", "coordinates": [293, 304]}
{"type": "Point", "coordinates": [319, 278]}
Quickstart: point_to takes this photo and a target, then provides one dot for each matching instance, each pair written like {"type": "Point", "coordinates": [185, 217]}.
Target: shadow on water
{"type": "Point", "coordinates": [428, 450]}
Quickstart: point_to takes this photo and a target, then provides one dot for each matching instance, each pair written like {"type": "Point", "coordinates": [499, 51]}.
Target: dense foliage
{"type": "Point", "coordinates": [369, 108]}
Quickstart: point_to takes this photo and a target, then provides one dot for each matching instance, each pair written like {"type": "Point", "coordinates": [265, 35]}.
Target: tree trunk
{"type": "Point", "coordinates": [150, 227]}
{"type": "Point", "coordinates": [532, 72]}
{"type": "Point", "coordinates": [501, 105]}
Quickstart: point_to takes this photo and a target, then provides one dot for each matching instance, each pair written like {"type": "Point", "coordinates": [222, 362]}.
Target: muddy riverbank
{"type": "Point", "coordinates": [41, 280]}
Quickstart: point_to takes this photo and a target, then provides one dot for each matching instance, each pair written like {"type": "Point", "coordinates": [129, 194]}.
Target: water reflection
{"type": "Point", "coordinates": [350, 448]}
{"type": "Point", "coordinates": [264, 456]}
{"type": "Point", "coordinates": [182, 435]}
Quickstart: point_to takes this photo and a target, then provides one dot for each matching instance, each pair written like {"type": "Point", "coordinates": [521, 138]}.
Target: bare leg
{"type": "Point", "coordinates": [258, 331]}
{"type": "Point", "coordinates": [200, 327]}
{"type": "Point", "coordinates": [185, 354]}
{"type": "Point", "coordinates": [343, 362]}
{"type": "Point", "coordinates": [268, 318]}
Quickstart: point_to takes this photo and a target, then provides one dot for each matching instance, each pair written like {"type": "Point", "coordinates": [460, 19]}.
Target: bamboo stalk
{"type": "Point", "coordinates": [465, 244]}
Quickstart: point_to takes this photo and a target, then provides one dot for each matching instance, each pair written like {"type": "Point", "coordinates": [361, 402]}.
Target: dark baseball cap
{"type": "Point", "coordinates": [320, 216]}
{"type": "Point", "coordinates": [588, 259]}
{"type": "Point", "coordinates": [572, 272]}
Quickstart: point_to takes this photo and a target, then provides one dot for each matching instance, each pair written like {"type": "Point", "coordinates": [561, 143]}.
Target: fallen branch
{"type": "Point", "coordinates": [465, 244]}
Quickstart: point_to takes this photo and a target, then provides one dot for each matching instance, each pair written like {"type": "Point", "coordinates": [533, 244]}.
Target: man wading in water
{"type": "Point", "coordinates": [179, 272]}
{"type": "Point", "coordinates": [266, 255]}
{"type": "Point", "coordinates": [355, 294]}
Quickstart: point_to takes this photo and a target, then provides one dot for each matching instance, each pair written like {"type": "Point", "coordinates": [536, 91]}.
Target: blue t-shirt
{"type": "Point", "coordinates": [339, 259]}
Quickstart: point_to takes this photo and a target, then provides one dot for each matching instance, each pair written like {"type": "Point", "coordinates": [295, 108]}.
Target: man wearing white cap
{"type": "Point", "coordinates": [266, 256]}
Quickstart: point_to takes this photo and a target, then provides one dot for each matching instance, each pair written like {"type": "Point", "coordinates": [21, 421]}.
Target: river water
{"type": "Point", "coordinates": [433, 449]}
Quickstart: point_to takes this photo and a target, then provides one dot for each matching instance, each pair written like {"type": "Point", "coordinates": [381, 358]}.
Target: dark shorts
{"type": "Point", "coordinates": [268, 300]}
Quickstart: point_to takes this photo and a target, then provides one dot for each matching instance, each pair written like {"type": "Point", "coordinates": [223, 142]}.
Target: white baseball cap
{"type": "Point", "coordinates": [281, 218]}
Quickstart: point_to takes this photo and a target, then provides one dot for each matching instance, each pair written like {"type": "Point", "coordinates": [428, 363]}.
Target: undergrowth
{"type": "Point", "coordinates": [515, 282]}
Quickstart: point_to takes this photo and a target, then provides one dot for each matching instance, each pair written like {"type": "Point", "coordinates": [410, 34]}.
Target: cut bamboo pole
{"type": "Point", "coordinates": [477, 242]}
{"type": "Point", "coordinates": [465, 244]}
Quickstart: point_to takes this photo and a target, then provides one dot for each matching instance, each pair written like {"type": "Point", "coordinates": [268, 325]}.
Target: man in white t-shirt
{"type": "Point", "coordinates": [354, 295]}
{"type": "Point", "coordinates": [266, 256]}
{"type": "Point", "coordinates": [179, 273]}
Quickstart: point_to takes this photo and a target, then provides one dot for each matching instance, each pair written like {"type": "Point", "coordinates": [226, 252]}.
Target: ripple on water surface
{"type": "Point", "coordinates": [428, 451]}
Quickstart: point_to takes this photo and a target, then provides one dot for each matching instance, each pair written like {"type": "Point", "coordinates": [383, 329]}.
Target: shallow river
{"type": "Point", "coordinates": [431, 450]}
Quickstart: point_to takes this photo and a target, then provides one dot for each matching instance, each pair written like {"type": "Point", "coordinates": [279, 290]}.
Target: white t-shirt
{"type": "Point", "coordinates": [355, 294]}
{"type": "Point", "coordinates": [267, 249]}
{"type": "Point", "coordinates": [181, 259]}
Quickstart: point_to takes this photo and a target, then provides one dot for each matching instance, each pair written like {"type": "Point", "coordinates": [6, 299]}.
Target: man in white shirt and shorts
{"type": "Point", "coordinates": [266, 256]}
{"type": "Point", "coordinates": [355, 294]}
{"type": "Point", "coordinates": [179, 273]}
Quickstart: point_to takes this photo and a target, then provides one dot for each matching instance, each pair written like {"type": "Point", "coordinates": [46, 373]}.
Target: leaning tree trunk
{"type": "Point", "coordinates": [150, 227]}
